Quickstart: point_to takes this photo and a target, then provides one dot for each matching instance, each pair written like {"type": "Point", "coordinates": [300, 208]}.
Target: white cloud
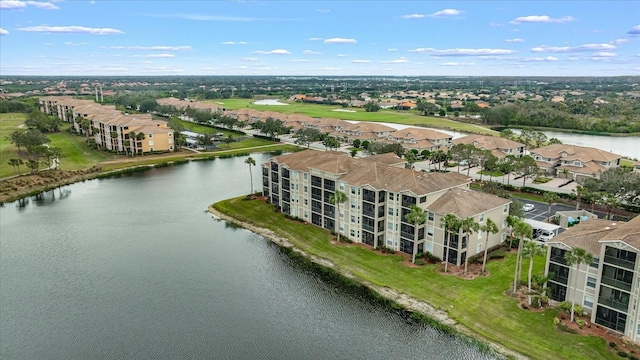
{"type": "Point", "coordinates": [315, 39]}
{"type": "Point", "coordinates": [457, 64]}
{"type": "Point", "coordinates": [412, 16]}
{"type": "Point", "coordinates": [392, 49]}
{"type": "Point", "coordinates": [156, 56]}
{"type": "Point", "coordinates": [635, 31]}
{"type": "Point", "coordinates": [619, 41]}
{"type": "Point", "coordinates": [323, 10]}
{"type": "Point", "coordinates": [4, 32]}
{"type": "Point", "coordinates": [605, 54]}
{"type": "Point", "coordinates": [161, 48]}
{"type": "Point", "coordinates": [360, 61]}
{"type": "Point", "coordinates": [250, 59]}
{"type": "Point", "coordinates": [72, 30]}
{"type": "Point", "coordinates": [71, 43]}
{"type": "Point", "coordinates": [540, 59]}
{"type": "Point", "coordinates": [516, 40]}
{"type": "Point", "coordinates": [43, 5]}
{"type": "Point", "coordinates": [541, 19]}
{"type": "Point", "coordinates": [309, 52]}
{"type": "Point", "coordinates": [342, 55]}
{"type": "Point", "coordinates": [301, 60]}
{"type": "Point", "coordinates": [446, 12]}
{"type": "Point", "coordinates": [580, 48]}
{"type": "Point", "coordinates": [464, 52]}
{"type": "Point", "coordinates": [340, 41]}
{"type": "Point", "coordinates": [12, 4]}
{"type": "Point", "coordinates": [234, 43]}
{"type": "Point", "coordinates": [273, 52]}
{"type": "Point", "coordinates": [402, 60]}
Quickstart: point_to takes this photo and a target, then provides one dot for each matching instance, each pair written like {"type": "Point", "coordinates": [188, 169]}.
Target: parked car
{"type": "Point", "coordinates": [546, 235]}
{"type": "Point", "coordinates": [528, 207]}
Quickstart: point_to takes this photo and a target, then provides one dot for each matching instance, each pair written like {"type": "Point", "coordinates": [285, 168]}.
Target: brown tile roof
{"type": "Point", "coordinates": [628, 232]}
{"type": "Point", "coordinates": [488, 142]}
{"type": "Point", "coordinates": [375, 171]}
{"type": "Point", "coordinates": [583, 153]}
{"type": "Point", "coordinates": [419, 134]}
{"type": "Point", "coordinates": [465, 203]}
{"type": "Point", "coordinates": [367, 127]}
{"type": "Point", "coordinates": [587, 234]}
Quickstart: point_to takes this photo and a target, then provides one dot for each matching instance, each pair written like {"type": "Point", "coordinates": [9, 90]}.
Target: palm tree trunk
{"type": "Point", "coordinates": [529, 278]}
{"type": "Point", "coordinates": [484, 260]}
{"type": "Point", "coordinates": [446, 252]}
{"type": "Point", "coordinates": [573, 298]}
{"type": "Point", "coordinates": [251, 177]}
{"type": "Point", "coordinates": [518, 274]}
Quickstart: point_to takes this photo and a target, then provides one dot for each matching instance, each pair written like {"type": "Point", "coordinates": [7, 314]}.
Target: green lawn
{"type": "Point", "coordinates": [388, 116]}
{"type": "Point", "coordinates": [8, 124]}
{"type": "Point", "coordinates": [478, 304]}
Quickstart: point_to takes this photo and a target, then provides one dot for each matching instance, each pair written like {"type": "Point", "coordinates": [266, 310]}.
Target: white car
{"type": "Point", "coordinates": [546, 235]}
{"type": "Point", "coordinates": [528, 207]}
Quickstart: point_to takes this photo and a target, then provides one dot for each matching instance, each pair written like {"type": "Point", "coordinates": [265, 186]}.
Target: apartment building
{"type": "Point", "coordinates": [572, 161]}
{"type": "Point", "coordinates": [499, 147]}
{"type": "Point", "coordinates": [380, 193]}
{"type": "Point", "coordinates": [111, 128]}
{"type": "Point", "coordinates": [609, 287]}
{"type": "Point", "coordinates": [420, 139]}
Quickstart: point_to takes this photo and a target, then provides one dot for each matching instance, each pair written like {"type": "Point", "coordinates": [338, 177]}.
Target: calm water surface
{"type": "Point", "coordinates": [132, 268]}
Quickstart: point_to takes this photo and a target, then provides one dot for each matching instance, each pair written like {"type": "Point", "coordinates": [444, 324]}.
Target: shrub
{"type": "Point", "coordinates": [535, 301]}
{"type": "Point", "coordinates": [580, 322]}
{"type": "Point", "coordinates": [496, 254]}
{"type": "Point", "coordinates": [419, 255]}
{"type": "Point", "coordinates": [565, 306]}
{"type": "Point", "coordinates": [623, 354]}
{"type": "Point", "coordinates": [556, 321]}
{"type": "Point", "coordinates": [578, 310]}
{"type": "Point", "coordinates": [612, 344]}
{"type": "Point", "coordinates": [419, 262]}
{"type": "Point", "coordinates": [565, 328]}
{"type": "Point", "coordinates": [633, 357]}
{"type": "Point", "coordinates": [544, 300]}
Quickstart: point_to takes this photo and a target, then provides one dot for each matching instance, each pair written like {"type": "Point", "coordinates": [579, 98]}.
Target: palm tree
{"type": "Point", "coordinates": [468, 226]}
{"type": "Point", "coordinates": [531, 249]}
{"type": "Point", "coordinates": [251, 162]}
{"type": "Point", "coordinates": [549, 198]}
{"type": "Point", "coordinates": [449, 222]}
{"type": "Point", "coordinates": [579, 191]}
{"type": "Point", "coordinates": [520, 229]}
{"type": "Point", "coordinates": [415, 216]}
{"type": "Point", "coordinates": [132, 140]}
{"type": "Point", "coordinates": [610, 202]}
{"type": "Point", "coordinates": [338, 198]}
{"type": "Point", "coordinates": [489, 228]}
{"type": "Point", "coordinates": [577, 256]}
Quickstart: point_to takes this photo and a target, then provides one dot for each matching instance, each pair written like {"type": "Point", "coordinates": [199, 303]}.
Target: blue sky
{"type": "Point", "coordinates": [388, 38]}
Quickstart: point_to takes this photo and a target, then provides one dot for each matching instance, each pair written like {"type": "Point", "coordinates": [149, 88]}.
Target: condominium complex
{"type": "Point", "coordinates": [110, 128]}
{"type": "Point", "coordinates": [609, 287]}
{"type": "Point", "coordinates": [380, 192]}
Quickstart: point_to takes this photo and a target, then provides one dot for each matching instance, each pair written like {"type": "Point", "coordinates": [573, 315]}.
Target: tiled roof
{"type": "Point", "coordinates": [628, 232]}
{"type": "Point", "coordinates": [585, 154]}
{"type": "Point", "coordinates": [465, 203]}
{"type": "Point", "coordinates": [587, 234]}
{"type": "Point", "coordinates": [419, 134]}
{"type": "Point", "coordinates": [488, 142]}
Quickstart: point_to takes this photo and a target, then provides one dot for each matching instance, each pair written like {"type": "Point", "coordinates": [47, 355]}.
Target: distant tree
{"type": "Point", "coordinates": [507, 165]}
{"type": "Point", "coordinates": [357, 143]}
{"type": "Point", "coordinates": [337, 198]}
{"type": "Point", "coordinates": [16, 162]}
{"type": "Point", "coordinates": [42, 122]}
{"type": "Point", "coordinates": [306, 135]}
{"type": "Point", "coordinates": [353, 153]}
{"type": "Point", "coordinates": [415, 216]}
{"type": "Point", "coordinates": [527, 167]}
{"type": "Point", "coordinates": [148, 105]}
{"type": "Point", "coordinates": [228, 140]}
{"type": "Point", "coordinates": [540, 138]}
{"type": "Point", "coordinates": [442, 112]}
{"type": "Point", "coordinates": [554, 141]}
{"type": "Point", "coordinates": [411, 159]}
{"type": "Point", "coordinates": [251, 162]}
{"type": "Point", "coordinates": [331, 143]}
{"type": "Point", "coordinates": [577, 256]}
{"type": "Point", "coordinates": [371, 107]}
{"type": "Point", "coordinates": [526, 135]}
{"type": "Point", "coordinates": [549, 198]}
{"type": "Point", "coordinates": [507, 134]}
{"type": "Point", "coordinates": [365, 144]}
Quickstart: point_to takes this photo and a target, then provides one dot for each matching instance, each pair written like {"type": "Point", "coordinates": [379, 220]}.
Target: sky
{"type": "Point", "coordinates": [320, 38]}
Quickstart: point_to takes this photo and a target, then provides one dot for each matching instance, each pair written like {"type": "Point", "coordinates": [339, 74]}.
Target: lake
{"type": "Point", "coordinates": [132, 267]}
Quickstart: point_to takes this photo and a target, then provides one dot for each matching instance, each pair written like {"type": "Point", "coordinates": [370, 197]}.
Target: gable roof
{"type": "Point", "coordinates": [465, 203]}
{"type": "Point", "coordinates": [587, 235]}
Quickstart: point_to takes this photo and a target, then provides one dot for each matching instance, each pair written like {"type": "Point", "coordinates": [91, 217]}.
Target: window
{"type": "Point", "coordinates": [390, 226]}
{"type": "Point", "coordinates": [150, 149]}
{"type": "Point", "coordinates": [352, 233]}
{"type": "Point", "coordinates": [504, 223]}
{"type": "Point", "coordinates": [342, 186]}
{"type": "Point", "coordinates": [430, 216]}
{"type": "Point", "coordinates": [353, 204]}
{"type": "Point", "coordinates": [577, 163]}
{"type": "Point", "coordinates": [505, 209]}
{"type": "Point", "coordinates": [429, 247]}
{"type": "Point", "coordinates": [150, 136]}
{"type": "Point", "coordinates": [150, 142]}
{"type": "Point", "coordinates": [479, 234]}
{"type": "Point", "coordinates": [479, 248]}
{"type": "Point", "coordinates": [481, 218]}
{"type": "Point", "coordinates": [423, 199]}
{"type": "Point", "coordinates": [588, 301]}
{"type": "Point", "coordinates": [391, 211]}
{"type": "Point", "coordinates": [353, 190]}
{"type": "Point", "coordinates": [306, 215]}
{"type": "Point", "coordinates": [353, 218]}
{"type": "Point", "coordinates": [390, 196]}
{"type": "Point", "coordinates": [595, 263]}
{"type": "Point", "coordinates": [503, 237]}
{"type": "Point", "coordinates": [591, 282]}
{"type": "Point", "coordinates": [306, 201]}
{"type": "Point", "coordinates": [305, 176]}
{"type": "Point", "coordinates": [430, 231]}
{"type": "Point", "coordinates": [169, 133]}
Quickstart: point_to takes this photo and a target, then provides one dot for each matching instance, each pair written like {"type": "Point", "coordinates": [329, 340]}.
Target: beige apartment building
{"type": "Point", "coordinates": [380, 193]}
{"type": "Point", "coordinates": [577, 162]}
{"type": "Point", "coordinates": [499, 147]}
{"type": "Point", "coordinates": [609, 287]}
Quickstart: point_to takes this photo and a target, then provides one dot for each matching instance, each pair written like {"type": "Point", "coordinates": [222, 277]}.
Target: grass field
{"type": "Point", "coordinates": [478, 304]}
{"type": "Point", "coordinates": [388, 116]}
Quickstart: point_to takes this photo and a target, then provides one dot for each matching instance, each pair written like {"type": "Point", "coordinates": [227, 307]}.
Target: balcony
{"type": "Point", "coordinates": [285, 173]}
{"type": "Point", "coordinates": [407, 201]}
{"type": "Point", "coordinates": [407, 235]}
{"type": "Point", "coordinates": [612, 303]}
{"type": "Point", "coordinates": [329, 185]}
{"type": "Point", "coordinates": [316, 209]}
{"type": "Point", "coordinates": [316, 181]}
{"type": "Point", "coordinates": [285, 184]}
{"type": "Point", "coordinates": [558, 259]}
{"type": "Point", "coordinates": [620, 262]}
{"type": "Point", "coordinates": [618, 284]}
{"type": "Point", "coordinates": [369, 197]}
{"type": "Point", "coordinates": [368, 227]}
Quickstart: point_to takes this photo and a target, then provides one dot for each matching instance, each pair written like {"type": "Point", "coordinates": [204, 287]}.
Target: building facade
{"type": "Point", "coordinates": [609, 287]}
{"type": "Point", "coordinates": [380, 192]}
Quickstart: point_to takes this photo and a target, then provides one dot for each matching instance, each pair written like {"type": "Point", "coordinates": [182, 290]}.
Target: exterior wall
{"type": "Point", "coordinates": [369, 216]}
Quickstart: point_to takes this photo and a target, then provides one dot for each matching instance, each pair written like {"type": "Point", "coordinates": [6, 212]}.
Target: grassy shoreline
{"type": "Point", "coordinates": [480, 306]}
